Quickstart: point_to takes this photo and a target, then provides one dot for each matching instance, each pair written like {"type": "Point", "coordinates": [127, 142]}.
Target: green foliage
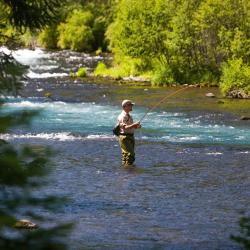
{"type": "Point", "coordinates": [29, 39]}
{"type": "Point", "coordinates": [98, 51]}
{"type": "Point", "coordinates": [82, 72]}
{"type": "Point", "coordinates": [186, 41]}
{"type": "Point", "coordinates": [27, 14]}
{"type": "Point", "coordinates": [101, 69]}
{"type": "Point", "coordinates": [139, 28]}
{"type": "Point", "coordinates": [244, 238]}
{"type": "Point", "coordinates": [182, 41]}
{"type": "Point", "coordinates": [11, 74]}
{"type": "Point", "coordinates": [76, 32]}
{"type": "Point", "coordinates": [129, 67]}
{"type": "Point", "coordinates": [48, 37]}
{"type": "Point", "coordinates": [162, 76]}
{"type": "Point", "coordinates": [235, 76]}
{"type": "Point", "coordinates": [114, 72]}
{"type": "Point", "coordinates": [85, 22]}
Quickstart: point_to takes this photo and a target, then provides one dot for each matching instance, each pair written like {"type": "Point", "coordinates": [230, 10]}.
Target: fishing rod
{"type": "Point", "coordinates": [162, 100]}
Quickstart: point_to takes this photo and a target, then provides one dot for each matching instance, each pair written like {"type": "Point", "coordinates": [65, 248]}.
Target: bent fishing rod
{"type": "Point", "coordinates": [162, 100]}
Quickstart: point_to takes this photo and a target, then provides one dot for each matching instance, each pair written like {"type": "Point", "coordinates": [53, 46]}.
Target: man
{"type": "Point", "coordinates": [126, 137]}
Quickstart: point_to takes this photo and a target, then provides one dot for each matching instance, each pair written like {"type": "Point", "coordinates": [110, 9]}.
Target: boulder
{"type": "Point", "coordinates": [26, 224]}
{"type": "Point", "coordinates": [238, 94]}
{"type": "Point", "coordinates": [210, 95]}
{"type": "Point", "coordinates": [245, 118]}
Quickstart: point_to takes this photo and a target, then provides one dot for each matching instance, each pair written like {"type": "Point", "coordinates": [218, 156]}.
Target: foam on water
{"type": "Point", "coordinates": [34, 59]}
{"type": "Point", "coordinates": [34, 75]}
{"type": "Point", "coordinates": [29, 57]}
{"type": "Point", "coordinates": [214, 153]}
{"type": "Point", "coordinates": [63, 136]}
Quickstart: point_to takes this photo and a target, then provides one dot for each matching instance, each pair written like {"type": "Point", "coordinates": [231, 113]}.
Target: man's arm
{"type": "Point", "coordinates": [134, 125]}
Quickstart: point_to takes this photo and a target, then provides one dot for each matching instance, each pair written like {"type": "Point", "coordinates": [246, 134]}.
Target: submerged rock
{"type": "Point", "coordinates": [26, 224]}
{"type": "Point", "coordinates": [220, 102]}
{"type": "Point", "coordinates": [135, 79]}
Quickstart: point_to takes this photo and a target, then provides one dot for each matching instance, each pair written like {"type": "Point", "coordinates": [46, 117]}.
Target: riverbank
{"type": "Point", "coordinates": [65, 88]}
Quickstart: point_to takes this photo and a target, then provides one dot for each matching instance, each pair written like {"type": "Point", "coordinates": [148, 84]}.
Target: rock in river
{"type": "Point", "coordinates": [245, 118]}
{"type": "Point", "coordinates": [210, 95]}
{"type": "Point", "coordinates": [26, 224]}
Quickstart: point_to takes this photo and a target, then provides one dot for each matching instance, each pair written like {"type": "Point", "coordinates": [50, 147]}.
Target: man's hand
{"type": "Point", "coordinates": [137, 125]}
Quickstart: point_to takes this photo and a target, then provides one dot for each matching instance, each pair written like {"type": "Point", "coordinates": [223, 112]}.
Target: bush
{"type": "Point", "coordinates": [48, 38]}
{"type": "Point", "coordinates": [235, 76]}
{"type": "Point", "coordinates": [127, 68]}
{"type": "Point", "coordinates": [82, 72]}
{"type": "Point", "coordinates": [76, 33]}
{"type": "Point", "coordinates": [101, 69]}
{"type": "Point", "coordinates": [162, 76]}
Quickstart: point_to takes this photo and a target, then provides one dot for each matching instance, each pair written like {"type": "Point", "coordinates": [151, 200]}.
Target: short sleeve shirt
{"type": "Point", "coordinates": [125, 119]}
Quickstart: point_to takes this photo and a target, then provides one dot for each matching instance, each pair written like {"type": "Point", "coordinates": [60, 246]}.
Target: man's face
{"type": "Point", "coordinates": [128, 107]}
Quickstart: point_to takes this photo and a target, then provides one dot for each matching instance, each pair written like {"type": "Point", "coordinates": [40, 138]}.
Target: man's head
{"type": "Point", "coordinates": [127, 105]}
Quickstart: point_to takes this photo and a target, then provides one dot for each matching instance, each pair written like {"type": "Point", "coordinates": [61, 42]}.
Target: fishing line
{"type": "Point", "coordinates": [162, 100]}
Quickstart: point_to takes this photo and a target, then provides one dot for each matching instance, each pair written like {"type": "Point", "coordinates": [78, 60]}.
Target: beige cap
{"type": "Point", "coordinates": [126, 102]}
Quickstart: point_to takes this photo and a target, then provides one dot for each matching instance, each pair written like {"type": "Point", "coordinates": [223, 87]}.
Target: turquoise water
{"type": "Point", "coordinates": [192, 180]}
{"type": "Point", "coordinates": [69, 121]}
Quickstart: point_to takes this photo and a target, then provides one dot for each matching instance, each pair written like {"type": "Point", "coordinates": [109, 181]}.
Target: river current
{"type": "Point", "coordinates": [192, 179]}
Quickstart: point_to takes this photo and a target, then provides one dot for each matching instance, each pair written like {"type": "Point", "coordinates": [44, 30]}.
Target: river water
{"type": "Point", "coordinates": [192, 179]}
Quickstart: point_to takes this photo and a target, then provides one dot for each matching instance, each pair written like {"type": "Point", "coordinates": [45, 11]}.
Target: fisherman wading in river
{"type": "Point", "coordinates": [126, 127]}
{"type": "Point", "coordinates": [126, 135]}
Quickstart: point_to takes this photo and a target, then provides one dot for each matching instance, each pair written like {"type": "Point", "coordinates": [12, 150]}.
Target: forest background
{"type": "Point", "coordinates": [164, 41]}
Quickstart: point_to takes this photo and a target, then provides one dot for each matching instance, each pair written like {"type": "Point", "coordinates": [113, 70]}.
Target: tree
{"type": "Point", "coordinates": [76, 32]}
{"type": "Point", "coordinates": [33, 14]}
{"type": "Point", "coordinates": [185, 41]}
{"type": "Point", "coordinates": [139, 29]}
{"type": "Point", "coordinates": [22, 167]}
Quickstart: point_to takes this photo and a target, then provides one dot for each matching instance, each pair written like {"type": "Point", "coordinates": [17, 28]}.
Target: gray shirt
{"type": "Point", "coordinates": [125, 119]}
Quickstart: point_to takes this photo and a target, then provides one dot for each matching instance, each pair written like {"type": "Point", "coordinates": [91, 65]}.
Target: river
{"type": "Point", "coordinates": [192, 179]}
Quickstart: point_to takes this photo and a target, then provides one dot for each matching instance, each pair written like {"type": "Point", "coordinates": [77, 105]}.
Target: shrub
{"type": "Point", "coordinates": [235, 76]}
{"type": "Point", "coordinates": [118, 71]}
{"type": "Point", "coordinates": [162, 76]}
{"type": "Point", "coordinates": [48, 38]}
{"type": "Point", "coordinates": [101, 69]}
{"type": "Point", "coordinates": [82, 72]}
{"type": "Point", "coordinates": [98, 51]}
{"type": "Point", "coordinates": [76, 33]}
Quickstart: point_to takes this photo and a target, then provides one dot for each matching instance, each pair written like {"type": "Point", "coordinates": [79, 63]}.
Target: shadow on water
{"type": "Point", "coordinates": [134, 169]}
